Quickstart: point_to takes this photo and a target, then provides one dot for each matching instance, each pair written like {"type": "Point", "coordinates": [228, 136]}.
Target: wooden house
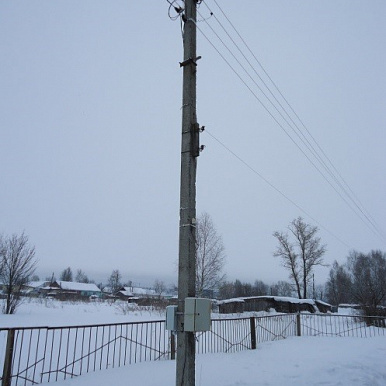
{"type": "Point", "coordinates": [64, 290]}
{"type": "Point", "coordinates": [135, 294]}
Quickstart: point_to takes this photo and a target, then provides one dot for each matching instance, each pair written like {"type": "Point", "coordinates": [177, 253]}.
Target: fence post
{"type": "Point", "coordinates": [172, 345]}
{"type": "Point", "coordinates": [7, 370]}
{"type": "Point", "coordinates": [253, 332]}
{"type": "Point", "coordinates": [298, 325]}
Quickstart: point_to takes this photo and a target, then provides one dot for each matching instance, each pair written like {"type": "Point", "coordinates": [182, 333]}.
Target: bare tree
{"type": "Point", "coordinates": [259, 288]}
{"type": "Point", "coordinates": [159, 287]}
{"type": "Point", "coordinates": [226, 290]}
{"type": "Point", "coordinates": [81, 277]}
{"type": "Point", "coordinates": [320, 292]}
{"type": "Point", "coordinates": [17, 265]}
{"type": "Point", "coordinates": [282, 288]}
{"type": "Point", "coordinates": [369, 279]}
{"type": "Point", "coordinates": [51, 278]}
{"type": "Point", "coordinates": [290, 259]}
{"type": "Point", "coordinates": [66, 274]}
{"type": "Point", "coordinates": [239, 289]}
{"type": "Point", "coordinates": [210, 255]}
{"type": "Point", "coordinates": [339, 285]}
{"type": "Point", "coordinates": [114, 281]}
{"type": "Point", "coordinates": [303, 255]}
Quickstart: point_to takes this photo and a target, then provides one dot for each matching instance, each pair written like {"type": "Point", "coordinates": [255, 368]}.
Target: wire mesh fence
{"type": "Point", "coordinates": [226, 335]}
{"type": "Point", "coordinates": [342, 325]}
{"type": "Point", "coordinates": [43, 354]}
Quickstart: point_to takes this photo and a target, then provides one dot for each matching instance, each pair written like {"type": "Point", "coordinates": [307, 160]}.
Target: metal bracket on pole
{"type": "Point", "coordinates": [195, 143]}
{"type": "Point", "coordinates": [190, 61]}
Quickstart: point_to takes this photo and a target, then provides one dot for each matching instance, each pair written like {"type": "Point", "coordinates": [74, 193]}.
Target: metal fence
{"type": "Point", "coordinates": [43, 354]}
{"type": "Point", "coordinates": [231, 335]}
{"type": "Point", "coordinates": [342, 325]}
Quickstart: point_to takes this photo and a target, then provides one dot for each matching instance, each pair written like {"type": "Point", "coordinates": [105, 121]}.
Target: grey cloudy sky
{"type": "Point", "coordinates": [90, 131]}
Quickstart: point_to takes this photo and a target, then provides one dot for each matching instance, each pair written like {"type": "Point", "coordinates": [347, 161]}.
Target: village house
{"type": "Point", "coordinates": [39, 288]}
{"type": "Point", "coordinates": [133, 294]}
{"type": "Point", "coordinates": [69, 289]}
{"type": "Point", "coordinates": [62, 289]}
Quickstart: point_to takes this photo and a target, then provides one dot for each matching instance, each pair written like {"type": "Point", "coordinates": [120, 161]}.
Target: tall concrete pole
{"type": "Point", "coordinates": [186, 349]}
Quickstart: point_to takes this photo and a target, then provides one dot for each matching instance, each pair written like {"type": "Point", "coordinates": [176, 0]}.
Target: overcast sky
{"type": "Point", "coordinates": [90, 120]}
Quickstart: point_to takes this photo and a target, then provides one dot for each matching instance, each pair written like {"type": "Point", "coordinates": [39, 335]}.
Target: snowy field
{"type": "Point", "coordinates": [293, 361]}
{"type": "Point", "coordinates": [52, 313]}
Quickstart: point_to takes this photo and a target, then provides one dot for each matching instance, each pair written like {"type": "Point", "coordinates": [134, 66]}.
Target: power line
{"type": "Point", "coordinates": [177, 8]}
{"type": "Point", "coordinates": [253, 170]}
{"type": "Point", "coordinates": [281, 126]}
{"type": "Point", "coordinates": [299, 134]}
{"type": "Point", "coordinates": [350, 194]}
{"type": "Point", "coordinates": [374, 228]}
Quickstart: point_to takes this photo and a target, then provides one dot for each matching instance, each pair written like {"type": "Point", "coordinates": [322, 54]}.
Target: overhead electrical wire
{"type": "Point", "coordinates": [299, 132]}
{"type": "Point", "coordinates": [351, 193]}
{"type": "Point", "coordinates": [274, 118]}
{"type": "Point", "coordinates": [178, 9]}
{"type": "Point", "coordinates": [275, 188]}
{"type": "Point", "coordinates": [304, 140]}
{"type": "Point", "coordinates": [340, 182]}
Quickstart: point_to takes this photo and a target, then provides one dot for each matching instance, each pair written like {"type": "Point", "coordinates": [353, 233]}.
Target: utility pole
{"type": "Point", "coordinates": [313, 286]}
{"type": "Point", "coordinates": [186, 348]}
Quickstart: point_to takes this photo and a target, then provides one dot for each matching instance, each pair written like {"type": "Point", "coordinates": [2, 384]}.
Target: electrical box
{"type": "Point", "coordinates": [197, 314]}
{"type": "Point", "coordinates": [171, 318]}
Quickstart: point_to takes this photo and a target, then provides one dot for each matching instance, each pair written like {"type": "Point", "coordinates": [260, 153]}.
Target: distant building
{"type": "Point", "coordinates": [131, 293]}
{"type": "Point", "coordinates": [62, 289]}
{"type": "Point", "coordinates": [79, 290]}
{"type": "Point", "coordinates": [39, 288]}
{"type": "Point", "coordinates": [266, 303]}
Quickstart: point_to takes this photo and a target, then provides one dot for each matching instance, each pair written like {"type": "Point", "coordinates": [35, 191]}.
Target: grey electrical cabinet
{"type": "Point", "coordinates": [171, 318]}
{"type": "Point", "coordinates": [197, 316]}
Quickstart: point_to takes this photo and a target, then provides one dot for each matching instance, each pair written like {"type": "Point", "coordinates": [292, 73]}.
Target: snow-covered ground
{"type": "Point", "coordinates": [293, 361]}
{"type": "Point", "coordinates": [52, 313]}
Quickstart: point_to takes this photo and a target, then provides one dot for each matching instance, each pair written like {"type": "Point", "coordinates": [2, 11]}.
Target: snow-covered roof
{"type": "Point", "coordinates": [126, 293]}
{"type": "Point", "coordinates": [70, 285]}
{"type": "Point", "coordinates": [348, 305]}
{"type": "Point", "coordinates": [276, 298]}
{"type": "Point", "coordinates": [143, 291]}
{"type": "Point", "coordinates": [133, 291]}
{"type": "Point", "coordinates": [323, 303]}
{"type": "Point", "coordinates": [292, 300]}
{"type": "Point", "coordinates": [234, 300]}
{"type": "Point", "coordinates": [37, 284]}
